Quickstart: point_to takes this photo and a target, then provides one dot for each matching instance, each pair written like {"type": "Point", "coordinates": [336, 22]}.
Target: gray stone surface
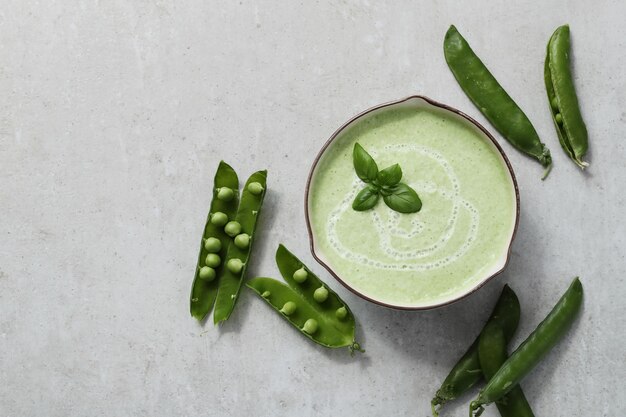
{"type": "Point", "coordinates": [113, 117]}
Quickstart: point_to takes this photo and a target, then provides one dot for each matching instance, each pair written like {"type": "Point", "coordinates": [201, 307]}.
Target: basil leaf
{"type": "Point", "coordinates": [389, 176]}
{"type": "Point", "coordinates": [364, 164]}
{"type": "Point", "coordinates": [403, 199]}
{"type": "Point", "coordinates": [365, 199]}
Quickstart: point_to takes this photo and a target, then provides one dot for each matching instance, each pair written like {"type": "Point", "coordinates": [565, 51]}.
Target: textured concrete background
{"type": "Point", "coordinates": [113, 117]}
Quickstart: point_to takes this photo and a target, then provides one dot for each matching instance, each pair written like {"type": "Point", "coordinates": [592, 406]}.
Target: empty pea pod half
{"type": "Point", "coordinates": [241, 232]}
{"type": "Point", "coordinates": [307, 303]}
{"type": "Point", "coordinates": [215, 241]}
{"type": "Point", "coordinates": [562, 98]}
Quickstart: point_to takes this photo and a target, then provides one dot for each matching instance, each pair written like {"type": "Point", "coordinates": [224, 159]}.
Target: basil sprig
{"type": "Point", "coordinates": [386, 183]}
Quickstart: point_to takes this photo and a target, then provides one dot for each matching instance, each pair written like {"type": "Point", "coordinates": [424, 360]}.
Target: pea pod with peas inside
{"type": "Point", "coordinates": [491, 99]}
{"type": "Point", "coordinates": [562, 98]}
{"type": "Point", "coordinates": [215, 241]}
{"type": "Point", "coordinates": [467, 371]}
{"type": "Point", "coordinates": [307, 303]}
{"type": "Point", "coordinates": [533, 349]}
{"type": "Point", "coordinates": [242, 232]}
{"type": "Point", "coordinates": [492, 352]}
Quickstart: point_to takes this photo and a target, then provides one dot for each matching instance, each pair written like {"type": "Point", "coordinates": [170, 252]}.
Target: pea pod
{"type": "Point", "coordinates": [491, 99]}
{"type": "Point", "coordinates": [203, 291]}
{"type": "Point", "coordinates": [533, 349]}
{"type": "Point", "coordinates": [467, 371]}
{"type": "Point", "coordinates": [562, 99]}
{"type": "Point", "coordinates": [326, 320]}
{"type": "Point", "coordinates": [492, 354]}
{"type": "Point", "coordinates": [237, 256]}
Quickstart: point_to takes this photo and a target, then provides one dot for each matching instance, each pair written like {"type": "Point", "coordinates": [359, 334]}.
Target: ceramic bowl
{"type": "Point", "coordinates": [417, 103]}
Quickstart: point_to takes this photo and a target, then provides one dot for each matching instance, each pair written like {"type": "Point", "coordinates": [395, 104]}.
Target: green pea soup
{"type": "Point", "coordinates": [460, 237]}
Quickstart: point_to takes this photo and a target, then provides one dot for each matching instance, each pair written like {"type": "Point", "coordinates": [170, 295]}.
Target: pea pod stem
{"type": "Point", "coordinates": [533, 349]}
{"type": "Point", "coordinates": [467, 371]}
{"type": "Point", "coordinates": [491, 99]}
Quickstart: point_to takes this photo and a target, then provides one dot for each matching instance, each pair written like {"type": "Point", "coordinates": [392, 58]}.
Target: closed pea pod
{"type": "Point", "coordinates": [237, 256]}
{"type": "Point", "coordinates": [214, 240]}
{"type": "Point", "coordinates": [320, 322]}
{"type": "Point", "coordinates": [491, 99]}
{"type": "Point", "coordinates": [564, 106]}
{"type": "Point", "coordinates": [533, 349]}
{"type": "Point", "coordinates": [492, 353]}
{"type": "Point", "coordinates": [467, 371]}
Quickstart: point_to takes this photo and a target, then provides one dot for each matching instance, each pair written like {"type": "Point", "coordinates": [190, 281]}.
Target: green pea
{"type": "Point", "coordinates": [288, 308]}
{"type": "Point", "coordinates": [341, 313]}
{"type": "Point", "coordinates": [255, 188]}
{"type": "Point", "coordinates": [558, 118]}
{"type": "Point", "coordinates": [266, 294]}
{"type": "Point", "coordinates": [212, 245]}
{"type": "Point", "coordinates": [207, 273]}
{"type": "Point", "coordinates": [213, 260]}
{"type": "Point", "coordinates": [235, 265]}
{"type": "Point", "coordinates": [555, 104]}
{"type": "Point", "coordinates": [225, 194]}
{"type": "Point", "coordinates": [300, 275]}
{"type": "Point", "coordinates": [320, 295]}
{"type": "Point", "coordinates": [232, 229]}
{"type": "Point", "coordinates": [310, 326]}
{"type": "Point", "coordinates": [219, 219]}
{"type": "Point", "coordinates": [242, 241]}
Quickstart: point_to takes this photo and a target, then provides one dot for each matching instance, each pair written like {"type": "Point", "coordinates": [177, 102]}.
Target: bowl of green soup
{"type": "Point", "coordinates": [459, 239]}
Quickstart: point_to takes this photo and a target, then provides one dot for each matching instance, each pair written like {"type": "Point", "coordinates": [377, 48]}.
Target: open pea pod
{"type": "Point", "coordinates": [204, 288]}
{"type": "Point", "coordinates": [327, 331]}
{"type": "Point", "coordinates": [236, 259]}
{"type": "Point", "coordinates": [564, 106]}
{"type": "Point", "coordinates": [307, 303]}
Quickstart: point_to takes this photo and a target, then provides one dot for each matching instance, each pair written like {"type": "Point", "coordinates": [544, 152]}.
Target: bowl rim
{"type": "Point", "coordinates": [370, 110]}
